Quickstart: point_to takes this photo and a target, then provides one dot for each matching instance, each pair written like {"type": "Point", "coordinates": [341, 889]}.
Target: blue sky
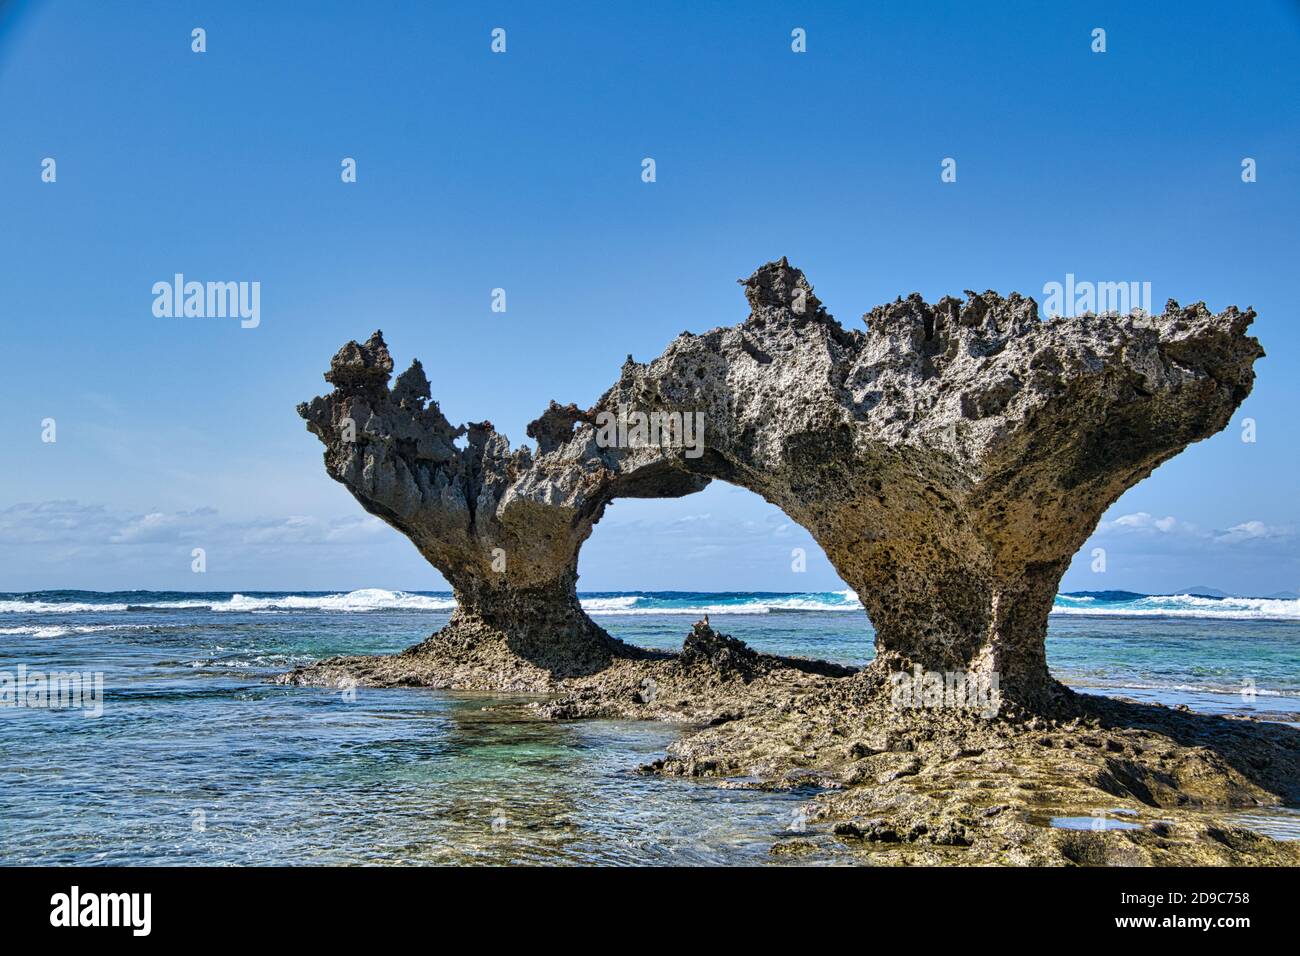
{"type": "Point", "coordinates": [522, 171]}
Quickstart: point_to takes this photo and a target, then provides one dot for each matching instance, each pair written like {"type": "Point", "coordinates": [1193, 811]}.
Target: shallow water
{"type": "Point", "coordinates": [1281, 823]}
{"type": "Point", "coordinates": [233, 774]}
{"type": "Point", "coordinates": [197, 759]}
{"type": "Point", "coordinates": [1106, 820]}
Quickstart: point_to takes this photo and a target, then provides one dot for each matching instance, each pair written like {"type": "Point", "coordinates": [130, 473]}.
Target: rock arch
{"type": "Point", "coordinates": [950, 459]}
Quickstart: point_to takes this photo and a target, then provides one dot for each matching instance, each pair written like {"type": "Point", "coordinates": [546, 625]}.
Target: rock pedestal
{"type": "Point", "coordinates": [950, 458]}
{"type": "Point", "coordinates": [504, 527]}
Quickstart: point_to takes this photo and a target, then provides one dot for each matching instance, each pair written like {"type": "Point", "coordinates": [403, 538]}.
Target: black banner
{"type": "Point", "coordinates": [334, 906]}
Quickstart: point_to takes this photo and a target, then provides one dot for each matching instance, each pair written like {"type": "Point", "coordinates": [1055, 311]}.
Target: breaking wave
{"type": "Point", "coordinates": [366, 599]}
{"type": "Point", "coordinates": [1098, 604]}
{"type": "Point", "coordinates": [1180, 605]}
{"type": "Point", "coordinates": [55, 630]}
{"type": "Point", "coordinates": [688, 603]}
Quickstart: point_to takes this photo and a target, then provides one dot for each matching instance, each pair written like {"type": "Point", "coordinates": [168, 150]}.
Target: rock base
{"type": "Point", "coordinates": [715, 678]}
{"type": "Point", "coordinates": [1139, 784]}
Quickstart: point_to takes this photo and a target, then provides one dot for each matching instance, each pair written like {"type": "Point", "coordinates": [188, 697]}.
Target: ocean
{"type": "Point", "coordinates": [197, 758]}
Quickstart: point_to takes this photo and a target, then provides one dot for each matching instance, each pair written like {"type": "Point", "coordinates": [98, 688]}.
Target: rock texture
{"type": "Point", "coordinates": [504, 527]}
{"type": "Point", "coordinates": [1149, 785]}
{"type": "Point", "coordinates": [950, 458]}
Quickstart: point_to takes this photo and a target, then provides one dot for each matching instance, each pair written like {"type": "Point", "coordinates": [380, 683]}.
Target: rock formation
{"type": "Point", "coordinates": [504, 527]}
{"type": "Point", "coordinates": [950, 458]}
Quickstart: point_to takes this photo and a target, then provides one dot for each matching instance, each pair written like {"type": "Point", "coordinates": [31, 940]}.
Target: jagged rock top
{"type": "Point", "coordinates": [358, 364]}
{"type": "Point", "coordinates": [482, 512]}
{"type": "Point", "coordinates": [958, 376]}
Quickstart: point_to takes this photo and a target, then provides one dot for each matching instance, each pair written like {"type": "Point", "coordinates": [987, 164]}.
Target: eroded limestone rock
{"type": "Point", "coordinates": [503, 526]}
{"type": "Point", "coordinates": [950, 458]}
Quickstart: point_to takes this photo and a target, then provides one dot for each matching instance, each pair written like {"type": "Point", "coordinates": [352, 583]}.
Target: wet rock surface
{"type": "Point", "coordinates": [714, 679]}
{"type": "Point", "coordinates": [908, 786]}
{"type": "Point", "coordinates": [914, 786]}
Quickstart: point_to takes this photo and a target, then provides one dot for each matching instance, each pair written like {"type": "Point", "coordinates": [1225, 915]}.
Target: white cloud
{"type": "Point", "coordinates": [685, 519]}
{"type": "Point", "coordinates": [72, 523]}
{"type": "Point", "coordinates": [1253, 531]}
{"type": "Point", "coordinates": [158, 527]}
{"type": "Point", "coordinates": [1145, 521]}
{"type": "Point", "coordinates": [1146, 524]}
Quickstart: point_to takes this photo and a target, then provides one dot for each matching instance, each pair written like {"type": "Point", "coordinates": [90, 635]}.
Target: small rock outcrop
{"type": "Point", "coordinates": [706, 647]}
{"type": "Point", "coordinates": [951, 458]}
{"type": "Point", "coordinates": [503, 526]}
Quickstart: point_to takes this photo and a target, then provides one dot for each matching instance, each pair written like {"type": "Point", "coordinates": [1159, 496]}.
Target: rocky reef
{"type": "Point", "coordinates": [886, 784]}
{"type": "Point", "coordinates": [1136, 784]}
{"type": "Point", "coordinates": [950, 458]}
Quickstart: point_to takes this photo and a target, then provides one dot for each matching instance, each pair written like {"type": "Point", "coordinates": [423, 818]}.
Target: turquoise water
{"type": "Point", "coordinates": [196, 758]}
